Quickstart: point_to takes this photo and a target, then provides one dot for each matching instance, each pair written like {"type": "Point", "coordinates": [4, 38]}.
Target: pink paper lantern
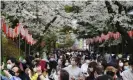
{"type": "Point", "coordinates": [116, 35]}
{"type": "Point", "coordinates": [110, 34]}
{"type": "Point", "coordinates": [102, 36]}
{"type": "Point", "coordinates": [106, 37]}
{"type": "Point", "coordinates": [130, 33]}
{"type": "Point", "coordinates": [100, 39]}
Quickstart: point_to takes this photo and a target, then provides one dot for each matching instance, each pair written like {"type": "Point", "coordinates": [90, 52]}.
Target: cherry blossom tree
{"type": "Point", "coordinates": [91, 17]}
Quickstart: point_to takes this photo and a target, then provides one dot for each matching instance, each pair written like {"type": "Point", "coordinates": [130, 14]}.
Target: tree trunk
{"type": "Point", "coordinates": [125, 36]}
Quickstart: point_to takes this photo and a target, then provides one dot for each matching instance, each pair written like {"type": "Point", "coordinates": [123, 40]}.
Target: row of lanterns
{"type": "Point", "coordinates": [19, 29]}
{"type": "Point", "coordinates": [106, 37]}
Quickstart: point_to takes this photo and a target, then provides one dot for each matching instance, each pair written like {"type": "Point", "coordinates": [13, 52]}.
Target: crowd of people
{"type": "Point", "coordinates": [69, 65]}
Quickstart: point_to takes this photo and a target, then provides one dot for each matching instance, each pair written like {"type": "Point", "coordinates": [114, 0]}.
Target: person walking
{"type": "Point", "coordinates": [128, 74]}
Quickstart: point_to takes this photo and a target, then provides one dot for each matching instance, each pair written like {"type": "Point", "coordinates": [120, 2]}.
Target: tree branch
{"type": "Point", "coordinates": [47, 26]}
{"type": "Point", "coordinates": [120, 28]}
{"type": "Point", "coordinates": [41, 38]}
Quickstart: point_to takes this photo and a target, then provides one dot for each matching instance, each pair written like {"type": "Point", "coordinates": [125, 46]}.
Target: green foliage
{"type": "Point", "coordinates": [68, 9]}
{"type": "Point", "coordinates": [66, 29]}
{"type": "Point", "coordinates": [74, 9]}
{"type": "Point", "coordinates": [9, 49]}
{"type": "Point", "coordinates": [49, 39]}
{"type": "Point", "coordinates": [67, 44]}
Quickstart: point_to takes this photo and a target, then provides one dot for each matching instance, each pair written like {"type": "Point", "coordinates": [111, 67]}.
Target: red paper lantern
{"type": "Point", "coordinates": [100, 39]}
{"type": "Point", "coordinates": [9, 32]}
{"type": "Point", "coordinates": [130, 33]}
{"type": "Point", "coordinates": [3, 26]}
{"type": "Point", "coordinates": [97, 38]}
{"type": "Point", "coordinates": [17, 29]}
{"type": "Point", "coordinates": [110, 34]}
{"type": "Point", "coordinates": [23, 32]}
{"type": "Point", "coordinates": [102, 36]}
{"type": "Point", "coordinates": [116, 35]}
{"type": "Point", "coordinates": [94, 38]}
{"type": "Point", "coordinates": [13, 35]}
{"type": "Point", "coordinates": [91, 40]}
{"type": "Point", "coordinates": [107, 37]}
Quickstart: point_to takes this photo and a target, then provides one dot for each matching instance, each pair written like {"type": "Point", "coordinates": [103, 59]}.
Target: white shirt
{"type": "Point", "coordinates": [84, 67]}
{"type": "Point", "coordinates": [127, 75]}
{"type": "Point", "coordinates": [73, 72]}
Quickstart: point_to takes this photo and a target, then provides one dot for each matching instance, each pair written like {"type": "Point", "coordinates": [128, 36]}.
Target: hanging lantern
{"type": "Point", "coordinates": [3, 25]}
{"type": "Point", "coordinates": [100, 40]}
{"type": "Point", "coordinates": [107, 37]}
{"type": "Point", "coordinates": [102, 37]}
{"type": "Point", "coordinates": [23, 32]}
{"type": "Point", "coordinates": [34, 42]}
{"type": "Point", "coordinates": [31, 40]}
{"type": "Point", "coordinates": [27, 36]}
{"type": "Point", "coordinates": [91, 41]}
{"type": "Point", "coordinates": [130, 33]}
{"type": "Point", "coordinates": [18, 29]}
{"type": "Point", "coordinates": [114, 36]}
{"type": "Point", "coordinates": [110, 34]}
{"type": "Point", "coordinates": [9, 32]}
{"type": "Point", "coordinates": [117, 35]}
{"type": "Point", "coordinates": [97, 38]}
{"type": "Point", "coordinates": [13, 34]}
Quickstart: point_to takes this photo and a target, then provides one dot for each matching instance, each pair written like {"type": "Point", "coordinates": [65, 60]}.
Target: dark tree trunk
{"type": "Point", "coordinates": [41, 37]}
{"type": "Point", "coordinates": [125, 36]}
{"type": "Point", "coordinates": [47, 26]}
